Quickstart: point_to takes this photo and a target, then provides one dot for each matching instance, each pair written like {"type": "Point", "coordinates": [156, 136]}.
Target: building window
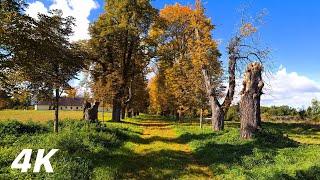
{"type": "Point", "coordinates": [70, 107]}
{"type": "Point", "coordinates": [77, 108]}
{"type": "Point", "coordinates": [61, 108]}
{"type": "Point", "coordinates": [66, 107]}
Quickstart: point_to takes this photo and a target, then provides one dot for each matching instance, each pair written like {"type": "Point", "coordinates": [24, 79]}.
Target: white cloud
{"type": "Point", "coordinates": [290, 88]}
{"type": "Point", "coordinates": [35, 8]}
{"type": "Point", "coordinates": [79, 9]}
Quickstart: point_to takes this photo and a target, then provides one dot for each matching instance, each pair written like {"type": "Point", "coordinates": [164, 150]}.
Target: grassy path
{"type": "Point", "coordinates": [160, 155]}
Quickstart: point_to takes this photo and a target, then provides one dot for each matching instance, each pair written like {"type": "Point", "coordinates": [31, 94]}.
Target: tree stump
{"type": "Point", "coordinates": [91, 113]}
{"type": "Point", "coordinates": [86, 106]}
{"type": "Point", "coordinates": [250, 100]}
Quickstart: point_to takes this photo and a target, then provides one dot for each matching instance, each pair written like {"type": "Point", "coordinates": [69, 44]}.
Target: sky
{"type": "Point", "coordinates": [291, 30]}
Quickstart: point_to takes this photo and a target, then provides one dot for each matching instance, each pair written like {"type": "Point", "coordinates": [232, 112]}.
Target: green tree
{"type": "Point", "coordinates": [121, 46]}
{"type": "Point", "coordinates": [16, 43]}
{"type": "Point", "coordinates": [59, 60]}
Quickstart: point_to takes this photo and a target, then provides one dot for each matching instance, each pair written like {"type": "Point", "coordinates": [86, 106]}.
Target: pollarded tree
{"type": "Point", "coordinates": [120, 43]}
{"type": "Point", "coordinates": [250, 100]}
{"type": "Point", "coordinates": [242, 49]}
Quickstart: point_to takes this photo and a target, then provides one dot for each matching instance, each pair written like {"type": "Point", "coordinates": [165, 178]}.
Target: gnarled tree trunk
{"type": "Point", "coordinates": [250, 100]}
{"type": "Point", "coordinates": [116, 110]}
{"type": "Point", "coordinates": [91, 113]}
{"type": "Point", "coordinates": [217, 118]}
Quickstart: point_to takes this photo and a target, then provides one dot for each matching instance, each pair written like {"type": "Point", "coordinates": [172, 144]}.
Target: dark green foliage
{"type": "Point", "coordinates": [279, 111]}
{"type": "Point", "coordinates": [17, 128]}
{"type": "Point", "coordinates": [233, 114]}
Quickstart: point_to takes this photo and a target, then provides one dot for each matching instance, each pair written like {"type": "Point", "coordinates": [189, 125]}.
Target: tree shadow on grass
{"type": "Point", "coordinates": [295, 128]}
{"type": "Point", "coordinates": [225, 150]}
{"type": "Point", "coordinates": [163, 164]}
{"type": "Point", "coordinates": [311, 174]}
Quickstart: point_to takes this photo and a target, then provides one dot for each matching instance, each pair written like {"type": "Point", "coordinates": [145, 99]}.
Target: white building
{"type": "Point", "coordinates": [67, 104]}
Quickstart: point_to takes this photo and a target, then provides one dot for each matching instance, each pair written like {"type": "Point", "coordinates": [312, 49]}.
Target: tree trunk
{"type": "Point", "coordinates": [116, 109]}
{"type": "Point", "coordinates": [123, 112]}
{"type": "Point", "coordinates": [250, 101]}
{"type": "Point", "coordinates": [130, 112]}
{"type": "Point", "coordinates": [56, 119]}
{"type": "Point", "coordinates": [92, 113]}
{"type": "Point", "coordinates": [217, 118]}
{"type": "Point", "coordinates": [232, 84]}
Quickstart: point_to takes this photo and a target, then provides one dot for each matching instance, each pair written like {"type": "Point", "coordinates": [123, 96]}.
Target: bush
{"type": "Point", "coordinates": [233, 114]}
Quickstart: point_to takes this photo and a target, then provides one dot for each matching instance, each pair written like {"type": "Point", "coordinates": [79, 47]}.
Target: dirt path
{"type": "Point", "coordinates": [161, 155]}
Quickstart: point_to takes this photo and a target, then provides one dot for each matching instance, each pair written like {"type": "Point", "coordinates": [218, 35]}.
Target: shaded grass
{"type": "Point", "coordinates": [86, 150]}
{"type": "Point", "coordinates": [271, 155]}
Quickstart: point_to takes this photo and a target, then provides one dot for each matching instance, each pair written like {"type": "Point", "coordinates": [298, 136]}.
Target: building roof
{"type": "Point", "coordinates": [64, 102]}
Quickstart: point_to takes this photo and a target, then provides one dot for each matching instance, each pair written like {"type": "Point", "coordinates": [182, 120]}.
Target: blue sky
{"type": "Point", "coordinates": [292, 28]}
{"type": "Point", "coordinates": [292, 31]}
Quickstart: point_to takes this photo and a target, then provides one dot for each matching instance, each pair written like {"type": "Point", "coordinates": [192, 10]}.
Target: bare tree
{"type": "Point", "coordinates": [243, 49]}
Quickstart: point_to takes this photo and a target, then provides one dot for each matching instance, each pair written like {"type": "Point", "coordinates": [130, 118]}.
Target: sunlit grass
{"type": "Point", "coordinates": [44, 116]}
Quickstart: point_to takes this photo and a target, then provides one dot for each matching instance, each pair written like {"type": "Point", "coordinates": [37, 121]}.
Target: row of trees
{"type": "Point", "coordinates": [124, 40]}
{"type": "Point", "coordinates": [189, 73]}
{"type": "Point", "coordinates": [287, 112]}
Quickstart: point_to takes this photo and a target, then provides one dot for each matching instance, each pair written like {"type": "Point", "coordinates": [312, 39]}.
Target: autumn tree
{"type": "Point", "coordinates": [71, 92]}
{"type": "Point", "coordinates": [120, 42]}
{"type": "Point", "coordinates": [179, 82]}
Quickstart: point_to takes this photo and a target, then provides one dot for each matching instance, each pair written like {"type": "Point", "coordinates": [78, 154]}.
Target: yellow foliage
{"type": "Point", "coordinates": [247, 29]}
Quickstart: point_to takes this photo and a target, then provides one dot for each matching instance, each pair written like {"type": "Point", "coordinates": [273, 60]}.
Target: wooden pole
{"type": "Point", "coordinates": [102, 111]}
{"type": "Point", "coordinates": [201, 118]}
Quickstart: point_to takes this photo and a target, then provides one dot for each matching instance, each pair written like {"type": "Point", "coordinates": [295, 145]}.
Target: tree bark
{"type": "Point", "coordinates": [56, 119]}
{"type": "Point", "coordinates": [217, 117]}
{"type": "Point", "coordinates": [130, 112]}
{"type": "Point", "coordinates": [116, 109]}
{"type": "Point", "coordinates": [250, 101]}
{"type": "Point", "coordinates": [123, 112]}
{"type": "Point", "coordinates": [91, 113]}
{"type": "Point", "coordinates": [232, 83]}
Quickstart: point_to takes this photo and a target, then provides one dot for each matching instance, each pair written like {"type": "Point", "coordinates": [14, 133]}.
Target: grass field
{"type": "Point", "coordinates": [149, 147]}
{"type": "Point", "coordinates": [43, 116]}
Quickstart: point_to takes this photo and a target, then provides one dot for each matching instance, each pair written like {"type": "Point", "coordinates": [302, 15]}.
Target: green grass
{"type": "Point", "coordinates": [86, 150]}
{"type": "Point", "coordinates": [273, 154]}
{"type": "Point", "coordinates": [149, 147]}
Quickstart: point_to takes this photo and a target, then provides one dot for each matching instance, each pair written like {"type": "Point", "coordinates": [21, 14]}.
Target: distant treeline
{"type": "Point", "coordinates": [282, 113]}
